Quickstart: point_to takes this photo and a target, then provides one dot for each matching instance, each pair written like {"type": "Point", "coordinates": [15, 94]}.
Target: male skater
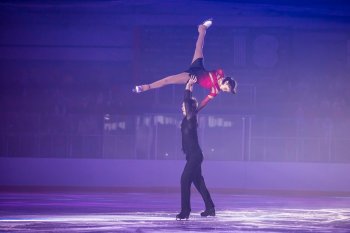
{"type": "Point", "coordinates": [194, 156]}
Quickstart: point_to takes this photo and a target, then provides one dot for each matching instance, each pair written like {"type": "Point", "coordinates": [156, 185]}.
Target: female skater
{"type": "Point", "coordinates": [213, 80]}
{"type": "Point", "coordinates": [194, 156]}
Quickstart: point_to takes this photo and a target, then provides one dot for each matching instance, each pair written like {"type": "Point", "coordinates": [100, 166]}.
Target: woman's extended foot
{"type": "Point", "coordinates": [137, 89]}
{"type": "Point", "coordinates": [141, 88]}
{"type": "Point", "coordinates": [207, 23]}
{"type": "Point", "coordinates": [183, 215]}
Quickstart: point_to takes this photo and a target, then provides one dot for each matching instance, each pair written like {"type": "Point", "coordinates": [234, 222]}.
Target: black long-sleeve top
{"type": "Point", "coordinates": [190, 145]}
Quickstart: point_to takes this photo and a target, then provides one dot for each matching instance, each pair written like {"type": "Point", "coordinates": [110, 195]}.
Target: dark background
{"type": "Point", "coordinates": [67, 69]}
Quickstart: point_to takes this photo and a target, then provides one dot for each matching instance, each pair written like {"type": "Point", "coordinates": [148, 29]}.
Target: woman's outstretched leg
{"type": "Point", "coordinates": [202, 29]}
{"type": "Point", "coordinates": [181, 78]}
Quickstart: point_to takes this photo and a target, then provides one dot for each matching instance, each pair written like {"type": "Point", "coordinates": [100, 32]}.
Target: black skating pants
{"type": "Point", "coordinates": [192, 173]}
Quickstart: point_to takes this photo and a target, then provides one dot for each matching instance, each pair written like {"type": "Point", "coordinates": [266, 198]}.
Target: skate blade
{"type": "Point", "coordinates": [207, 23]}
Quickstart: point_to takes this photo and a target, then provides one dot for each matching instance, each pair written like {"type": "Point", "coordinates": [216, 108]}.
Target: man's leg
{"type": "Point", "coordinates": [186, 188]}
{"type": "Point", "coordinates": [186, 181]}
{"type": "Point", "coordinates": [202, 189]}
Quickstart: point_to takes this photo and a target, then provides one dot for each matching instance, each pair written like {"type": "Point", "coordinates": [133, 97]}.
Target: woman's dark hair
{"type": "Point", "coordinates": [232, 84]}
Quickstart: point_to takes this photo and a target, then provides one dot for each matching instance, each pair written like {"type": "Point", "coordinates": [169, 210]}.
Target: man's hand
{"type": "Point", "coordinates": [192, 80]}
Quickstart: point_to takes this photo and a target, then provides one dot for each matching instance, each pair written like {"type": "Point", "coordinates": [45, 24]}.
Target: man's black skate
{"type": "Point", "coordinates": [208, 212]}
{"type": "Point", "coordinates": [183, 215]}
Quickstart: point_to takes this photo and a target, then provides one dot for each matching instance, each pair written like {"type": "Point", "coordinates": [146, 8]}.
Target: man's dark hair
{"type": "Point", "coordinates": [232, 84]}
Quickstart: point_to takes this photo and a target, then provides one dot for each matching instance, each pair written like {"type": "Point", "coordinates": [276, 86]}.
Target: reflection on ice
{"type": "Point", "coordinates": [154, 212]}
